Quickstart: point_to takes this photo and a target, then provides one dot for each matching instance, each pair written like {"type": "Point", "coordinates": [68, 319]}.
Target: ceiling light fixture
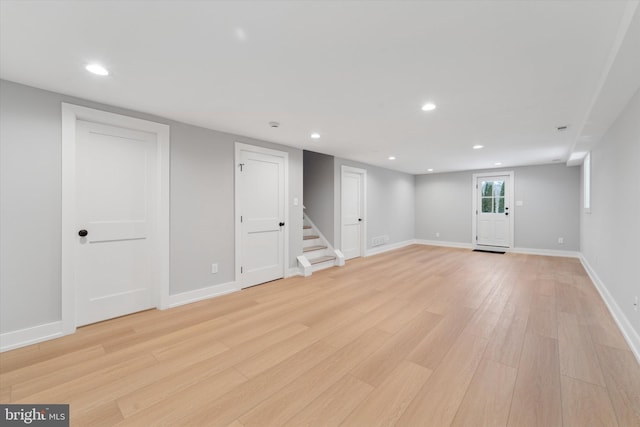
{"type": "Point", "coordinates": [429, 170]}
{"type": "Point", "coordinates": [429, 106]}
{"type": "Point", "coordinates": [497, 163]}
{"type": "Point", "coordinates": [392, 157]}
{"type": "Point", "coordinates": [315, 135]}
{"type": "Point", "coordinates": [97, 69]}
{"type": "Point", "coordinates": [478, 146]}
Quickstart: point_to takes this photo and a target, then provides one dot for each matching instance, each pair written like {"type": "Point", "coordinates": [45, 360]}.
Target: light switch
{"type": "Point", "coordinates": [295, 201]}
{"type": "Point", "coordinates": [519, 203]}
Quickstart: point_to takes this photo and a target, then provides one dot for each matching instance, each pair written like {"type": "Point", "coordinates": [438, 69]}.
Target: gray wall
{"type": "Point", "coordinates": [318, 191]}
{"type": "Point", "coordinates": [390, 203]}
{"type": "Point", "coordinates": [202, 208]}
{"type": "Point", "coordinates": [611, 232]}
{"type": "Point", "coordinates": [550, 194]}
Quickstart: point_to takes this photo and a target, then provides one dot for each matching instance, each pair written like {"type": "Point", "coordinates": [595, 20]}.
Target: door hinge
{"type": "Point", "coordinates": [476, 238]}
{"type": "Point", "coordinates": [476, 186]}
{"type": "Point", "coordinates": [240, 218]}
{"type": "Point", "coordinates": [476, 211]}
{"type": "Point", "coordinates": [241, 166]}
{"type": "Point", "coordinates": [240, 270]}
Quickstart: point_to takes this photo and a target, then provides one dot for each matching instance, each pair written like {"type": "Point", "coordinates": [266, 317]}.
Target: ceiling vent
{"type": "Point", "coordinates": [562, 128]}
{"type": "Point", "coordinates": [274, 124]}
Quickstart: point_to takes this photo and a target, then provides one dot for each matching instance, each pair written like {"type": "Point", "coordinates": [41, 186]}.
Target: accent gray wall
{"type": "Point", "coordinates": [390, 203]}
{"type": "Point", "coordinates": [611, 232]}
{"type": "Point", "coordinates": [318, 191]}
{"type": "Point", "coordinates": [202, 208]}
{"type": "Point", "coordinates": [551, 206]}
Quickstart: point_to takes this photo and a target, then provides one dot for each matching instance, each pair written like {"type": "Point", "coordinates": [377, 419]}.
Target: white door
{"type": "Point", "coordinates": [492, 214]}
{"type": "Point", "coordinates": [261, 203]}
{"type": "Point", "coordinates": [352, 213]}
{"type": "Point", "coordinates": [116, 211]}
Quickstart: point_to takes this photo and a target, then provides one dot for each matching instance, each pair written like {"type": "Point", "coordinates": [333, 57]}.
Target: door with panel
{"type": "Point", "coordinates": [117, 217]}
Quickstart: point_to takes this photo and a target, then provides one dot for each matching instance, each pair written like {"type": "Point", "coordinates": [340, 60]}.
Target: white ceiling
{"type": "Point", "coordinates": [503, 74]}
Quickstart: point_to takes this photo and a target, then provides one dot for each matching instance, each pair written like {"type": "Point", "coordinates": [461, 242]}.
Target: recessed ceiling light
{"type": "Point", "coordinates": [429, 170]}
{"type": "Point", "coordinates": [392, 158]}
{"type": "Point", "coordinates": [497, 163]}
{"type": "Point", "coordinates": [97, 69]}
{"type": "Point", "coordinates": [315, 135]}
{"type": "Point", "coordinates": [429, 106]}
{"type": "Point", "coordinates": [478, 146]}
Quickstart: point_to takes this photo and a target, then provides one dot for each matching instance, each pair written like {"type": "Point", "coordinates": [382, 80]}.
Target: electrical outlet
{"type": "Point", "coordinates": [635, 304]}
{"type": "Point", "coordinates": [561, 240]}
{"type": "Point", "coordinates": [214, 268]}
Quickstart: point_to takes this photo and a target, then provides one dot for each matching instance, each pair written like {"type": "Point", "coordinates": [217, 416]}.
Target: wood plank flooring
{"type": "Point", "coordinates": [421, 336]}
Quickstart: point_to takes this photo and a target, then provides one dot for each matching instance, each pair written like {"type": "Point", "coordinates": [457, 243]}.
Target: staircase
{"type": "Point", "coordinates": [317, 253]}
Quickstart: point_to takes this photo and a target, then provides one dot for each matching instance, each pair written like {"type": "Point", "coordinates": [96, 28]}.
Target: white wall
{"type": "Point", "coordinates": [202, 209]}
{"type": "Point", "coordinates": [551, 207]}
{"type": "Point", "coordinates": [390, 203]}
{"type": "Point", "coordinates": [610, 234]}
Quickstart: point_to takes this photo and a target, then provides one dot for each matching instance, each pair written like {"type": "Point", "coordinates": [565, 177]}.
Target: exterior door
{"type": "Point", "coordinates": [116, 213]}
{"type": "Point", "coordinates": [352, 213]}
{"type": "Point", "coordinates": [261, 202]}
{"type": "Point", "coordinates": [493, 214]}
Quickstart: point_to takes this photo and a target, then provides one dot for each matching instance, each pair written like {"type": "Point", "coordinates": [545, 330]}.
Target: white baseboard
{"type": "Point", "coordinates": [201, 294]}
{"type": "Point", "coordinates": [630, 334]}
{"type": "Point", "coordinates": [458, 245]}
{"type": "Point", "coordinates": [28, 336]}
{"type": "Point", "coordinates": [386, 248]}
{"type": "Point", "coordinates": [529, 251]}
{"type": "Point", "coordinates": [294, 271]}
{"type": "Point", "coordinates": [545, 252]}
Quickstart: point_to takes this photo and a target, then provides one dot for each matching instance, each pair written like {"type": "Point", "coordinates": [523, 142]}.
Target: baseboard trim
{"type": "Point", "coordinates": [545, 252]}
{"type": "Point", "coordinates": [294, 271]}
{"type": "Point", "coordinates": [458, 245]}
{"type": "Point", "coordinates": [630, 334]}
{"type": "Point", "coordinates": [202, 294]}
{"type": "Point", "coordinates": [386, 248]}
{"type": "Point", "coordinates": [28, 336]}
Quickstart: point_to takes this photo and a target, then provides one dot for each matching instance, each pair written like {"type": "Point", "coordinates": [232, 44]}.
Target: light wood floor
{"type": "Point", "coordinates": [422, 336]}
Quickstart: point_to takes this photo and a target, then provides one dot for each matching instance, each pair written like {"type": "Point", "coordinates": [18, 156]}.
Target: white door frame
{"type": "Point", "coordinates": [474, 216]}
{"type": "Point", "coordinates": [285, 156]}
{"type": "Point", "coordinates": [160, 259]}
{"type": "Point", "coordinates": [363, 201]}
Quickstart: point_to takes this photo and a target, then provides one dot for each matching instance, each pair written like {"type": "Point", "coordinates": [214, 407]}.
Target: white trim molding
{"type": "Point", "coordinates": [33, 335]}
{"type": "Point", "coordinates": [202, 294]}
{"type": "Point", "coordinates": [459, 245]}
{"type": "Point", "coordinates": [391, 247]}
{"type": "Point", "coordinates": [70, 115]}
{"type": "Point", "coordinates": [545, 252]}
{"type": "Point", "coordinates": [624, 324]}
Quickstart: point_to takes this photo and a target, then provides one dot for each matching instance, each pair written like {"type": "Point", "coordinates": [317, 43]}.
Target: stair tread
{"type": "Point", "coordinates": [310, 237]}
{"type": "Point", "coordinates": [313, 248]}
{"type": "Point", "coordinates": [322, 259]}
{"type": "Point", "coordinates": [306, 227]}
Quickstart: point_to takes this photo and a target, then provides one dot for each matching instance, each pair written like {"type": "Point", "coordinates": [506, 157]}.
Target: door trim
{"type": "Point", "coordinates": [239, 146]}
{"type": "Point", "coordinates": [161, 256]}
{"type": "Point", "coordinates": [363, 202]}
{"type": "Point", "coordinates": [474, 207]}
